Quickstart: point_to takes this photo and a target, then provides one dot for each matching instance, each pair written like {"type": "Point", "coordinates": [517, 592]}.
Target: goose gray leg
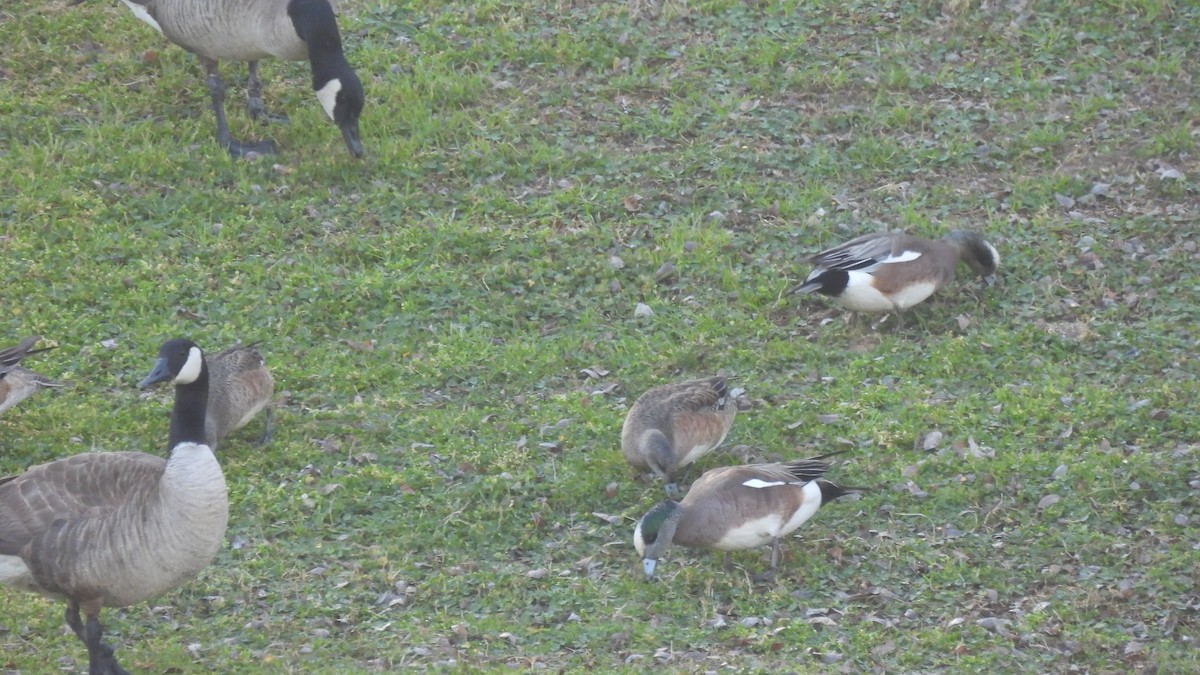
{"type": "Point", "coordinates": [100, 656]}
{"type": "Point", "coordinates": [216, 88]}
{"type": "Point", "coordinates": [254, 101]}
{"type": "Point", "coordinates": [266, 437]}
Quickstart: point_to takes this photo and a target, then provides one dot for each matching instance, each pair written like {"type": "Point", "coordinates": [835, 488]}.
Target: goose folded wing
{"type": "Point", "coordinates": [86, 485]}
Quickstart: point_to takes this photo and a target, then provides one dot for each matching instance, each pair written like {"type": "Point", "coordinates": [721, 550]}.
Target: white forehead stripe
{"type": "Point", "coordinates": [327, 95]}
{"type": "Point", "coordinates": [759, 483]}
{"type": "Point", "coordinates": [904, 256]}
{"type": "Point", "coordinates": [141, 13]}
{"type": "Point", "coordinates": [191, 369]}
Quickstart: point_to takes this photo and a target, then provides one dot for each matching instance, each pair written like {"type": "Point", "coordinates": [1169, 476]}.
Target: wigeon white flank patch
{"type": "Point", "coordinates": [752, 533]}
{"type": "Point", "coordinates": [141, 13]}
{"type": "Point", "coordinates": [191, 368]}
{"type": "Point", "coordinates": [327, 95]}
{"type": "Point", "coordinates": [862, 296]}
{"type": "Point", "coordinates": [913, 294]}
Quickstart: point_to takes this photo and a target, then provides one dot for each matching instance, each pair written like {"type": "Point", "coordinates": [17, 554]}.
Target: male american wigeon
{"type": "Point", "coordinates": [17, 383]}
{"type": "Point", "coordinates": [892, 271]}
{"type": "Point", "coordinates": [738, 507]}
{"type": "Point", "coordinates": [673, 425]}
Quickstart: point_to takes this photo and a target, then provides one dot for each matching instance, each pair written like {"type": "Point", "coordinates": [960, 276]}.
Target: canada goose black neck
{"type": "Point", "coordinates": [334, 81]}
{"type": "Point", "coordinates": [187, 417]}
{"type": "Point", "coordinates": [181, 362]}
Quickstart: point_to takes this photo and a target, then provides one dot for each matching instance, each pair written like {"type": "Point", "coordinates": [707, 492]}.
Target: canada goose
{"type": "Point", "coordinates": [738, 507]}
{"type": "Point", "coordinates": [250, 30]}
{"type": "Point", "coordinates": [673, 425]}
{"type": "Point", "coordinates": [111, 529]}
{"type": "Point", "coordinates": [892, 271]}
{"type": "Point", "coordinates": [17, 383]}
{"type": "Point", "coordinates": [239, 386]}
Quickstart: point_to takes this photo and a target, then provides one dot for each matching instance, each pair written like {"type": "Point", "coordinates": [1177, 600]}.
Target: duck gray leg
{"type": "Point", "coordinates": [100, 656]}
{"type": "Point", "coordinates": [266, 437]}
{"type": "Point", "coordinates": [216, 89]}
{"type": "Point", "coordinates": [254, 100]}
{"type": "Point", "coordinates": [769, 575]}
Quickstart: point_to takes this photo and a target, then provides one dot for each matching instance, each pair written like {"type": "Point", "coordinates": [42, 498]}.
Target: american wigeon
{"type": "Point", "coordinates": [738, 507]}
{"type": "Point", "coordinates": [892, 271]}
{"type": "Point", "coordinates": [251, 30]}
{"type": "Point", "coordinates": [673, 425]}
{"type": "Point", "coordinates": [17, 383]}
{"type": "Point", "coordinates": [239, 386]}
{"type": "Point", "coordinates": [110, 529]}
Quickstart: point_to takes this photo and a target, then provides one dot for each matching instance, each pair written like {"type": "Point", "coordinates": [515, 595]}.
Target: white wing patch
{"type": "Point", "coordinates": [141, 13]}
{"type": "Point", "coordinates": [758, 483]}
{"type": "Point", "coordinates": [327, 95]}
{"type": "Point", "coordinates": [903, 256]}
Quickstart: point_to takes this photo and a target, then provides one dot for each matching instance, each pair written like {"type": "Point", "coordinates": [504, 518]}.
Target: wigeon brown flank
{"type": "Point", "coordinates": [671, 426]}
{"type": "Point", "coordinates": [738, 507]}
{"type": "Point", "coordinates": [892, 271]}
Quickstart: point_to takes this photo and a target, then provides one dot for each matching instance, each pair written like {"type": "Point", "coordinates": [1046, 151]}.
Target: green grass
{"type": "Point", "coordinates": [428, 313]}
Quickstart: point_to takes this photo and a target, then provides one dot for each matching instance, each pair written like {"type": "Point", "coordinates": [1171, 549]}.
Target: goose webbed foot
{"type": "Point", "coordinates": [765, 577]}
{"type": "Point", "coordinates": [242, 150]}
{"type": "Point", "coordinates": [254, 101]}
{"type": "Point", "coordinates": [259, 113]}
{"type": "Point", "coordinates": [216, 89]}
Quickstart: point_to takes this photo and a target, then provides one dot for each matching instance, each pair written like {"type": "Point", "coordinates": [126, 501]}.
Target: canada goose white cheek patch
{"type": "Point", "coordinates": [141, 13]}
{"type": "Point", "coordinates": [191, 369]}
{"type": "Point", "coordinates": [327, 95]}
{"type": "Point", "coordinates": [995, 255]}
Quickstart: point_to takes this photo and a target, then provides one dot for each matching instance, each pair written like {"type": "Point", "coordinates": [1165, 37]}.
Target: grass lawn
{"type": "Point", "coordinates": [451, 326]}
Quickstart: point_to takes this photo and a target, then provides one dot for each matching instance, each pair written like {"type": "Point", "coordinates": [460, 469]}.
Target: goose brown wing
{"type": "Point", "coordinates": [82, 486]}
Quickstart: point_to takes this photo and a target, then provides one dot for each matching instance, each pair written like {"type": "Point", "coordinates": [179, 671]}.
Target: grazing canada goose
{"type": "Point", "coordinates": [738, 507]}
{"type": "Point", "coordinates": [892, 271]}
{"type": "Point", "coordinates": [111, 529]}
{"type": "Point", "coordinates": [250, 30]}
{"type": "Point", "coordinates": [239, 386]}
{"type": "Point", "coordinates": [17, 383]}
{"type": "Point", "coordinates": [671, 426]}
